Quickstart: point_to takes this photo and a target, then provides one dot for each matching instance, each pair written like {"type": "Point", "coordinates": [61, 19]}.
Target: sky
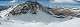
{"type": "Point", "coordinates": [7, 2]}
{"type": "Point", "coordinates": [49, 3]}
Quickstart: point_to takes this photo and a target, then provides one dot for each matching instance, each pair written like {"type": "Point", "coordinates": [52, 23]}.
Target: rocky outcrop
{"type": "Point", "coordinates": [65, 12]}
{"type": "Point", "coordinates": [26, 7]}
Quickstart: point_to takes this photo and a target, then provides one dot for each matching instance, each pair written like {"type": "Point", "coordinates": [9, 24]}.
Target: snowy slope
{"type": "Point", "coordinates": [18, 23]}
{"type": "Point", "coordinates": [41, 19]}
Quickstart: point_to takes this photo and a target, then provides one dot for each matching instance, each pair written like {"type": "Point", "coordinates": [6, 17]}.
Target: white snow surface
{"type": "Point", "coordinates": [41, 19]}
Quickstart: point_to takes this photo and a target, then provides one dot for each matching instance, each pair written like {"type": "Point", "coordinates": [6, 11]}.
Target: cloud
{"type": "Point", "coordinates": [78, 0]}
{"type": "Point", "coordinates": [13, 1]}
{"type": "Point", "coordinates": [61, 1]}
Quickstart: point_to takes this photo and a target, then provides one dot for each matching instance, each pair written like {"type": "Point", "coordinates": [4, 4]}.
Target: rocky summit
{"type": "Point", "coordinates": [34, 7]}
{"type": "Point", "coordinates": [26, 7]}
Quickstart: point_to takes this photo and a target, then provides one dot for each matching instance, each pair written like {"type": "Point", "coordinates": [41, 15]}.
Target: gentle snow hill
{"type": "Point", "coordinates": [70, 23]}
{"type": "Point", "coordinates": [39, 17]}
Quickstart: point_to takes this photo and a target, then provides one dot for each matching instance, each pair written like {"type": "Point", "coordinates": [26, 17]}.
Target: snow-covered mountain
{"type": "Point", "coordinates": [33, 14]}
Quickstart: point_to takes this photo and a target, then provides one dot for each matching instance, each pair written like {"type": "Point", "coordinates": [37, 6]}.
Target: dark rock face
{"type": "Point", "coordinates": [22, 10]}
{"type": "Point", "coordinates": [65, 12]}
{"type": "Point", "coordinates": [25, 7]}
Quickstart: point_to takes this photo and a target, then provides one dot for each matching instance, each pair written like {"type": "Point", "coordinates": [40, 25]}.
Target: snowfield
{"type": "Point", "coordinates": [70, 23]}
{"type": "Point", "coordinates": [41, 19]}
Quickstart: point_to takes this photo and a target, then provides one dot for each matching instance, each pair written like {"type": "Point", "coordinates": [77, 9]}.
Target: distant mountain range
{"type": "Point", "coordinates": [78, 1]}
{"type": "Point", "coordinates": [6, 0]}
{"type": "Point", "coordinates": [4, 7]}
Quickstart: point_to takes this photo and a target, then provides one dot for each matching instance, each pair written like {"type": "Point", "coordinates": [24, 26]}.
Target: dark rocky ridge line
{"type": "Point", "coordinates": [25, 7]}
